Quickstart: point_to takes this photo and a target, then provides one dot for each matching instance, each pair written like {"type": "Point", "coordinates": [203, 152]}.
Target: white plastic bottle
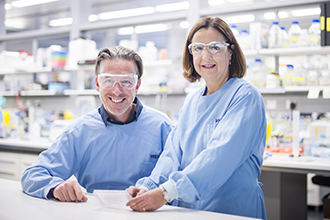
{"type": "Point", "coordinates": [274, 35]}
{"type": "Point", "coordinates": [234, 30]}
{"type": "Point", "coordinates": [314, 32]}
{"type": "Point", "coordinates": [294, 34]}
{"type": "Point", "coordinates": [284, 37]}
{"type": "Point", "coordinates": [304, 38]}
{"type": "Point", "coordinates": [287, 79]}
{"type": "Point", "coordinates": [258, 73]}
{"type": "Point", "coordinates": [244, 39]}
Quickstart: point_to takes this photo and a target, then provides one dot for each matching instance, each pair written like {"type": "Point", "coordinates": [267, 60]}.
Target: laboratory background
{"type": "Point", "coordinates": [47, 55]}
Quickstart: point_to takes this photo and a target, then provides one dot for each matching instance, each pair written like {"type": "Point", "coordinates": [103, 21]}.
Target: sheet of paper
{"type": "Point", "coordinates": [113, 198]}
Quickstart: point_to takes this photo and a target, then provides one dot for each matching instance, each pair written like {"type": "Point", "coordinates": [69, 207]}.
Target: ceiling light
{"type": "Point", "coordinates": [25, 3]}
{"type": "Point", "coordinates": [239, 1]}
{"type": "Point", "coordinates": [60, 22]}
{"type": "Point", "coordinates": [92, 17]}
{"type": "Point", "coordinates": [283, 14]}
{"type": "Point", "coordinates": [184, 24]}
{"type": "Point", "coordinates": [172, 7]}
{"type": "Point", "coordinates": [8, 6]}
{"type": "Point", "coordinates": [18, 23]}
{"type": "Point", "coordinates": [126, 13]}
{"type": "Point", "coordinates": [306, 12]}
{"type": "Point", "coordinates": [125, 31]}
{"type": "Point", "coordinates": [150, 28]}
{"type": "Point", "coordinates": [240, 19]}
{"type": "Point", "coordinates": [216, 2]}
{"type": "Point", "coordinates": [270, 15]}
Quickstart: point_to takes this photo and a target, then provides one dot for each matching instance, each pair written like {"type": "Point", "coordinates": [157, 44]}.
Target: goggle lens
{"type": "Point", "coordinates": [107, 80]}
{"type": "Point", "coordinates": [197, 49]}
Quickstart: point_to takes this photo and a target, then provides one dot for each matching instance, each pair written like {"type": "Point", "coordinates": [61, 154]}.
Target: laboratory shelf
{"type": "Point", "coordinates": [30, 93]}
{"type": "Point", "coordinates": [279, 90]}
{"type": "Point", "coordinates": [296, 51]}
{"type": "Point", "coordinates": [266, 5]}
{"type": "Point", "coordinates": [80, 92]}
{"type": "Point", "coordinates": [305, 88]}
{"type": "Point", "coordinates": [49, 32]}
{"type": "Point", "coordinates": [68, 92]}
{"type": "Point", "coordinates": [38, 70]}
{"type": "Point", "coordinates": [289, 51]}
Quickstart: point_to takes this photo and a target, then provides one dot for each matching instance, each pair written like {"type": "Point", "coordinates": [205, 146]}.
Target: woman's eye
{"type": "Point", "coordinates": [215, 48]}
{"type": "Point", "coordinates": [198, 48]}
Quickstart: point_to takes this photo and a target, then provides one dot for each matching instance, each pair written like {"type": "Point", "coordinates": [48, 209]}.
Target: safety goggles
{"type": "Point", "coordinates": [213, 47]}
{"type": "Point", "coordinates": [126, 81]}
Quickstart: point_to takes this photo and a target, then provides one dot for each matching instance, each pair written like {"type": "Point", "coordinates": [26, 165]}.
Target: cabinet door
{"type": "Point", "coordinates": [9, 166]}
{"type": "Point", "coordinates": [26, 161]}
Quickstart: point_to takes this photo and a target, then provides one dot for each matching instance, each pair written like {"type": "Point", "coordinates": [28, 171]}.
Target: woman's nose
{"type": "Point", "coordinates": [206, 53]}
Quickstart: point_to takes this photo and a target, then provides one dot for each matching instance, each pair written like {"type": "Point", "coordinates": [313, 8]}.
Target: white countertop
{"type": "Point", "coordinates": [303, 164]}
{"type": "Point", "coordinates": [26, 144]}
{"type": "Point", "coordinates": [17, 205]}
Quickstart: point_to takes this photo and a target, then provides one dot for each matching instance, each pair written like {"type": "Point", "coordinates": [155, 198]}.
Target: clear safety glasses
{"type": "Point", "coordinates": [126, 81]}
{"type": "Point", "coordinates": [213, 47]}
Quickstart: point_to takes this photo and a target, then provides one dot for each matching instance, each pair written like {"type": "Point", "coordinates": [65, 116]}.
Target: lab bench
{"type": "Point", "coordinates": [17, 205]}
{"type": "Point", "coordinates": [283, 178]}
{"type": "Point", "coordinates": [285, 185]}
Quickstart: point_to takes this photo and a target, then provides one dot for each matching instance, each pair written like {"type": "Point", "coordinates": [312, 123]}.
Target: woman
{"type": "Point", "coordinates": [213, 156]}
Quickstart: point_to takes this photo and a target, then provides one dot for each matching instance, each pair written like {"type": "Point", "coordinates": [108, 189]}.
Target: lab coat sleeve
{"type": "Point", "coordinates": [240, 132]}
{"type": "Point", "coordinates": [169, 161]}
{"type": "Point", "coordinates": [52, 167]}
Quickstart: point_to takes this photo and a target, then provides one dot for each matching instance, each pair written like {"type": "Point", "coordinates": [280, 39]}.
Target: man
{"type": "Point", "coordinates": [108, 148]}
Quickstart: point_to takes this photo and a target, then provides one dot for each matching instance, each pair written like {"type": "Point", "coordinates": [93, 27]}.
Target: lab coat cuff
{"type": "Point", "coordinates": [170, 187]}
{"type": "Point", "coordinates": [145, 187]}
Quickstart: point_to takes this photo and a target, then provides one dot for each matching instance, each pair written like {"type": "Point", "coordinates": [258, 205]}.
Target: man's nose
{"type": "Point", "coordinates": [117, 89]}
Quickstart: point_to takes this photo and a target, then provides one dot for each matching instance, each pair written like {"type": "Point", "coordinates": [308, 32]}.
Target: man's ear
{"type": "Point", "coordinates": [137, 86]}
{"type": "Point", "coordinates": [97, 84]}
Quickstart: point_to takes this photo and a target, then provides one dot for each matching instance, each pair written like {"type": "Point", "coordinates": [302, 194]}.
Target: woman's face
{"type": "Point", "coordinates": [214, 68]}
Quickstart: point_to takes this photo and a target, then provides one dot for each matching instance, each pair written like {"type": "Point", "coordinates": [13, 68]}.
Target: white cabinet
{"type": "Point", "coordinates": [12, 165]}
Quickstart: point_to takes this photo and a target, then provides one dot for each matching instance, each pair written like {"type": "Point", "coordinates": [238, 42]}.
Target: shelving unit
{"type": "Point", "coordinates": [290, 51]}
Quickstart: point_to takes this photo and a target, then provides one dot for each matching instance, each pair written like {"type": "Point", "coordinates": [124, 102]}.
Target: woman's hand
{"type": "Point", "coordinates": [134, 191]}
{"type": "Point", "coordinates": [149, 201]}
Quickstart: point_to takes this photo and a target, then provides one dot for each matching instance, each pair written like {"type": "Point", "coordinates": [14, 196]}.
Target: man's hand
{"type": "Point", "coordinates": [134, 191]}
{"type": "Point", "coordinates": [69, 191]}
{"type": "Point", "coordinates": [149, 201]}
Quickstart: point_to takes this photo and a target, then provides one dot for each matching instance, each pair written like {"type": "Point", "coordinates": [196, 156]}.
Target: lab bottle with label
{"type": "Point", "coordinates": [294, 34]}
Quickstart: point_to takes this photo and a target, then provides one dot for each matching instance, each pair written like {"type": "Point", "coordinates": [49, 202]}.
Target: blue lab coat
{"type": "Point", "coordinates": [215, 152]}
{"type": "Point", "coordinates": [101, 156]}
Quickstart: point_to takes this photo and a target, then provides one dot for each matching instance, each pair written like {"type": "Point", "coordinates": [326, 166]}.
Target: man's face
{"type": "Point", "coordinates": [117, 99]}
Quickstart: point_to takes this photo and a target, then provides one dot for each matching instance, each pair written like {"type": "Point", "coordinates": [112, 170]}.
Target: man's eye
{"type": "Point", "coordinates": [126, 81]}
